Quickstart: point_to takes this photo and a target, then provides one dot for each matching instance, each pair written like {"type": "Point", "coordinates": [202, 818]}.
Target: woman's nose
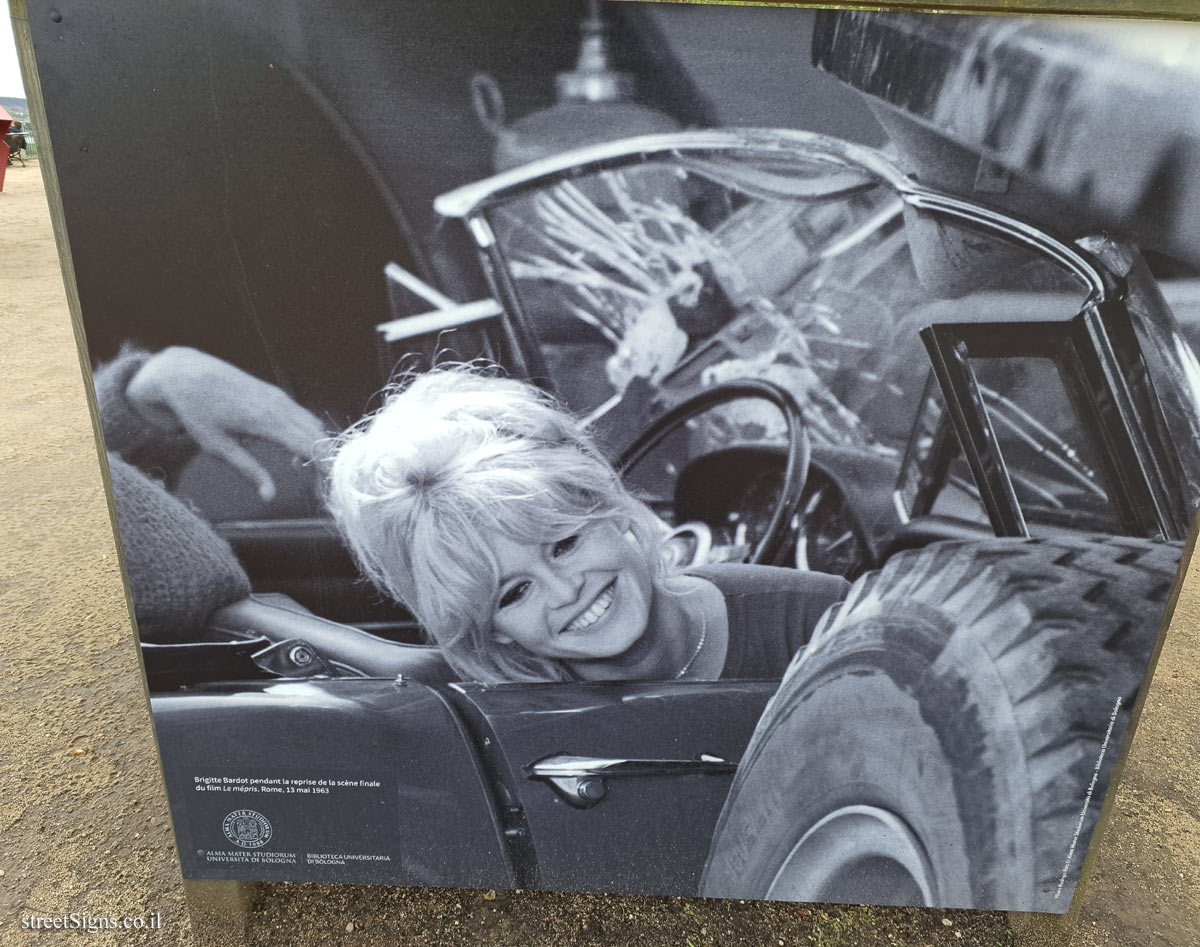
{"type": "Point", "coordinates": [563, 586]}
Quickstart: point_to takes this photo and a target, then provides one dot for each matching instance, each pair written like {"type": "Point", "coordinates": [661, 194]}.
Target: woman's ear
{"type": "Point", "coordinates": [502, 638]}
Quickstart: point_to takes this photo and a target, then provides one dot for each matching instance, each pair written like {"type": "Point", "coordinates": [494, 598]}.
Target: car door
{"type": "Point", "coordinates": [352, 780]}
{"type": "Point", "coordinates": [612, 787]}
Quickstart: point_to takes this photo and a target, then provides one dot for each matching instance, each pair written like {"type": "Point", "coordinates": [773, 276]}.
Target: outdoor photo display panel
{"type": "Point", "coordinates": [897, 308]}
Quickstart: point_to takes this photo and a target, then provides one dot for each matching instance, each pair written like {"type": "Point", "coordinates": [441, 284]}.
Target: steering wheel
{"type": "Point", "coordinates": [798, 449]}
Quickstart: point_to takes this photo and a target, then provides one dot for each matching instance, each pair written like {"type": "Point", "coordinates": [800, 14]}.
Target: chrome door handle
{"type": "Point", "coordinates": [580, 780]}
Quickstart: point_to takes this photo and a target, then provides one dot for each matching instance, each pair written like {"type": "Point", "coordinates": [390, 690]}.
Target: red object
{"type": "Point", "coordinates": [5, 121]}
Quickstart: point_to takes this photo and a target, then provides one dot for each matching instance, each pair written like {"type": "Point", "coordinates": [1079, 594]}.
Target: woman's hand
{"type": "Point", "coordinates": [216, 404]}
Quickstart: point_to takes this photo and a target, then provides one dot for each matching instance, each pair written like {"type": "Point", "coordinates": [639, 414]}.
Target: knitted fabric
{"type": "Point", "coordinates": [179, 570]}
{"type": "Point", "coordinates": [772, 614]}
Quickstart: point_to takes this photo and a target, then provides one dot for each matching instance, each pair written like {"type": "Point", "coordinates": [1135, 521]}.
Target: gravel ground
{"type": "Point", "coordinates": [83, 820]}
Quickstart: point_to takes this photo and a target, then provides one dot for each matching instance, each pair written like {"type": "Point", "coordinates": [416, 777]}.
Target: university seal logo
{"type": "Point", "coordinates": [247, 828]}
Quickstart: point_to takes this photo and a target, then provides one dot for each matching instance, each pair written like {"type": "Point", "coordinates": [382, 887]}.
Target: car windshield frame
{"type": "Point", "coordinates": [853, 169]}
{"type": "Point", "coordinates": [475, 203]}
{"type": "Point", "coordinates": [472, 202]}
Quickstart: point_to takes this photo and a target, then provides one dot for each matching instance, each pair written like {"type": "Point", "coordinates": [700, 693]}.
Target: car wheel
{"type": "Point", "coordinates": [948, 735]}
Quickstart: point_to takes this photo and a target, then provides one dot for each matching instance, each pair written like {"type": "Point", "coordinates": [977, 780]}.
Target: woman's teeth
{"type": "Point", "coordinates": [595, 611]}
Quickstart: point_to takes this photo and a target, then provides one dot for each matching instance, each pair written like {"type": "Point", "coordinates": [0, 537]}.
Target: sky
{"type": "Point", "coordinates": [10, 72]}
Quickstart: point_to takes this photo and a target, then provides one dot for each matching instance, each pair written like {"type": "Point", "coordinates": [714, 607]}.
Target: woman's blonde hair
{"type": "Point", "coordinates": [454, 456]}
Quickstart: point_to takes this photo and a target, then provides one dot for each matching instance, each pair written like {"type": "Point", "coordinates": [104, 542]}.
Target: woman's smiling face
{"type": "Point", "coordinates": [584, 597]}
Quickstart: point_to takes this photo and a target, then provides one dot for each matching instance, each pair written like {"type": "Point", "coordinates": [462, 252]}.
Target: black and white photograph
{"type": "Point", "coordinates": [660, 448]}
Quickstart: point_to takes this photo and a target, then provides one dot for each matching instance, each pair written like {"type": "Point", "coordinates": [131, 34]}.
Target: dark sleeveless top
{"type": "Point", "coordinates": [772, 613]}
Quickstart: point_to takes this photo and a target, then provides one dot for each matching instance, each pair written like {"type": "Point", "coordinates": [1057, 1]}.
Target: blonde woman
{"type": "Point", "coordinates": [477, 502]}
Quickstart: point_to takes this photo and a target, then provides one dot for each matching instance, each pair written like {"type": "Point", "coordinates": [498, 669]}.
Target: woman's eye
{"type": "Point", "coordinates": [564, 546]}
{"type": "Point", "coordinates": [514, 594]}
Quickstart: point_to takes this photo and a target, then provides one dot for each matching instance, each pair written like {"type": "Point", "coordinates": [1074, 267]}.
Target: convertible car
{"type": "Point", "coordinates": [992, 430]}
{"type": "Point", "coordinates": [800, 352]}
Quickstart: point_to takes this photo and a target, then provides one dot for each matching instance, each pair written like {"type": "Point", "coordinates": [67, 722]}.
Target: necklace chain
{"type": "Point", "coordinates": [699, 647]}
